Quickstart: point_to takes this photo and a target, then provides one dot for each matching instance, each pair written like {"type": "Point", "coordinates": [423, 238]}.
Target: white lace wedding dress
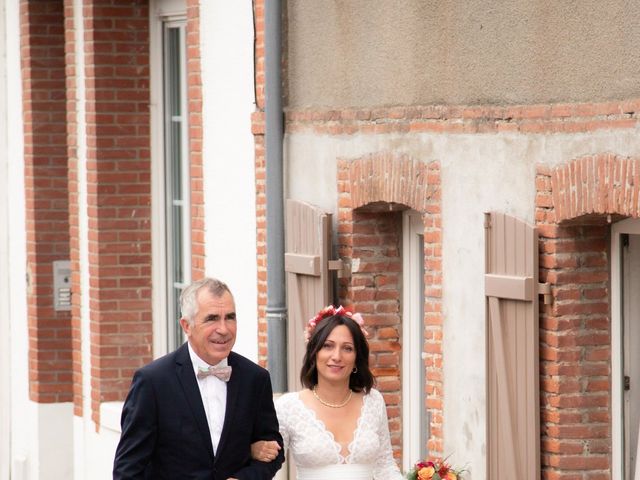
{"type": "Point", "coordinates": [318, 456]}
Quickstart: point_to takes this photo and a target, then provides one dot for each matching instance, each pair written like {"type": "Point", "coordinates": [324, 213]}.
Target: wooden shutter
{"type": "Point", "coordinates": [308, 250]}
{"type": "Point", "coordinates": [511, 289]}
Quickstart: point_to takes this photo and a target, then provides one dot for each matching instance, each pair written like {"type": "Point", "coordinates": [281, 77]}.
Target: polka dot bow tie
{"type": "Point", "coordinates": [223, 373]}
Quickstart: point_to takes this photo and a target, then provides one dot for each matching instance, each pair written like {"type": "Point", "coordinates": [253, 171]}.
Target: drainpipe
{"type": "Point", "coordinates": [276, 301]}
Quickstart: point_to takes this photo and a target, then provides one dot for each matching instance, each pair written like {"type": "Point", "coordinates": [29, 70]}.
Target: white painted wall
{"type": "Point", "coordinates": [226, 32]}
{"type": "Point", "coordinates": [24, 449]}
{"type": "Point", "coordinates": [5, 277]}
{"type": "Point", "coordinates": [97, 449]}
{"type": "Point", "coordinates": [55, 436]}
{"type": "Point", "coordinates": [479, 173]}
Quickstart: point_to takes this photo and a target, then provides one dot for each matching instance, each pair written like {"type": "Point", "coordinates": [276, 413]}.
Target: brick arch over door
{"type": "Point", "coordinates": [373, 190]}
{"type": "Point", "coordinates": [575, 204]}
{"type": "Point", "coordinates": [392, 178]}
{"type": "Point", "coordinates": [598, 184]}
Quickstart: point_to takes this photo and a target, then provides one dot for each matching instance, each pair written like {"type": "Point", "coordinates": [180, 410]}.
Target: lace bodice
{"type": "Point", "coordinates": [313, 446]}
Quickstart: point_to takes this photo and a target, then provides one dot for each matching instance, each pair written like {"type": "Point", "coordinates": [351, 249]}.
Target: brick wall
{"type": "Point", "coordinates": [261, 234]}
{"type": "Point", "coordinates": [575, 353]}
{"type": "Point", "coordinates": [194, 95]}
{"type": "Point", "coordinates": [257, 128]}
{"type": "Point", "coordinates": [373, 190]}
{"type": "Point", "coordinates": [47, 209]}
{"type": "Point", "coordinates": [604, 184]}
{"type": "Point", "coordinates": [374, 290]}
{"type": "Point", "coordinates": [557, 118]}
{"type": "Point", "coordinates": [118, 184]}
{"type": "Point", "coordinates": [118, 194]}
{"type": "Point", "coordinates": [575, 203]}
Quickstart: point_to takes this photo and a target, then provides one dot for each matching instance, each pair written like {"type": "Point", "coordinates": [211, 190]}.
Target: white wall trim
{"type": "Point", "coordinates": [24, 452]}
{"type": "Point", "coordinates": [158, 273]}
{"type": "Point", "coordinates": [5, 298]}
{"type": "Point", "coordinates": [110, 413]}
{"type": "Point", "coordinates": [80, 465]}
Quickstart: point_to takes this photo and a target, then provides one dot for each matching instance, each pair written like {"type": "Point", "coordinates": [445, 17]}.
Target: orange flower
{"type": "Point", "coordinates": [450, 476]}
{"type": "Point", "coordinates": [425, 473]}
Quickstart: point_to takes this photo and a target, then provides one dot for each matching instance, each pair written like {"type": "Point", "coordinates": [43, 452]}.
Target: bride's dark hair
{"type": "Point", "coordinates": [362, 379]}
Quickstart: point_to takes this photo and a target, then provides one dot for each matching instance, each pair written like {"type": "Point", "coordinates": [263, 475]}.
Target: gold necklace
{"type": "Point", "coordinates": [332, 405]}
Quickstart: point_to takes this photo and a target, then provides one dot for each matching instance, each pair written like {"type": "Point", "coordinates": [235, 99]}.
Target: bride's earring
{"type": "Point", "coordinates": [355, 370]}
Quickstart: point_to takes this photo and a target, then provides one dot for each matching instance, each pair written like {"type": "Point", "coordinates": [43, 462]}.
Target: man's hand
{"type": "Point", "coordinates": [265, 450]}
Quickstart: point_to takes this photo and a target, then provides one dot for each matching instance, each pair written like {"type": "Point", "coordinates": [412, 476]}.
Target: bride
{"type": "Point", "coordinates": [336, 428]}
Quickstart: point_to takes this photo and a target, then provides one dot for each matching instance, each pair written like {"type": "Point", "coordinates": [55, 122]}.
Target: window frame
{"type": "Point", "coordinates": [167, 14]}
{"type": "Point", "coordinates": [415, 417]}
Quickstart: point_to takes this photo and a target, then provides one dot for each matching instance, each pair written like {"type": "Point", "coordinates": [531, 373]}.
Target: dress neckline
{"type": "Point", "coordinates": [321, 425]}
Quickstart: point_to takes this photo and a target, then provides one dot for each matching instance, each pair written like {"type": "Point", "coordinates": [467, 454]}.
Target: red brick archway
{"type": "Point", "coordinates": [575, 204]}
{"type": "Point", "coordinates": [373, 190]}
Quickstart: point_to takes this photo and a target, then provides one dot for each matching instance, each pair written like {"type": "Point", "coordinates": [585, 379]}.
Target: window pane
{"type": "Point", "coordinates": [177, 245]}
{"type": "Point", "coordinates": [177, 336]}
{"type": "Point", "coordinates": [174, 70]}
{"type": "Point", "coordinates": [176, 160]}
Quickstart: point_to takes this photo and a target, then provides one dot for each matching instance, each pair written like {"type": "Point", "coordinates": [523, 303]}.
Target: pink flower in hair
{"type": "Point", "coordinates": [330, 311]}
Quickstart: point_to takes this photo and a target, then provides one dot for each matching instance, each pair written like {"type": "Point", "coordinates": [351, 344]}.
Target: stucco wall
{"type": "Point", "coordinates": [406, 52]}
{"type": "Point", "coordinates": [479, 173]}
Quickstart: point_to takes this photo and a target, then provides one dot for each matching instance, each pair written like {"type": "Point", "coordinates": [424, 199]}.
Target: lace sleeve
{"type": "Point", "coordinates": [283, 420]}
{"type": "Point", "coordinates": [385, 467]}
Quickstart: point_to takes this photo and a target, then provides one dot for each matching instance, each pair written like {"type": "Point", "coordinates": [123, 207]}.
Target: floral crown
{"type": "Point", "coordinates": [330, 311]}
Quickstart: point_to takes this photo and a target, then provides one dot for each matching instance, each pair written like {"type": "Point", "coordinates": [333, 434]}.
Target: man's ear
{"type": "Point", "coordinates": [186, 326]}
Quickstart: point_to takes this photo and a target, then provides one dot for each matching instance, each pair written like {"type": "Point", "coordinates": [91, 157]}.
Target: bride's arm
{"type": "Point", "coordinates": [385, 467]}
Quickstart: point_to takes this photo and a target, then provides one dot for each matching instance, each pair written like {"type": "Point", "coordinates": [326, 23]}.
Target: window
{"type": "Point", "coordinates": [170, 172]}
{"type": "Point", "coordinates": [176, 163]}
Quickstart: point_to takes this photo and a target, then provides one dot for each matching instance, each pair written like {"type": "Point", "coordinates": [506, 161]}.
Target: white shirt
{"type": "Point", "coordinates": [214, 397]}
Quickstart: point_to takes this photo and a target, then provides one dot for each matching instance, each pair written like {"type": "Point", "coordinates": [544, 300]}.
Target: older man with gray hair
{"type": "Point", "coordinates": [195, 412]}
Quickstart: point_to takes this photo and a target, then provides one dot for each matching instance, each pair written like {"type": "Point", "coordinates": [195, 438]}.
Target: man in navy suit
{"type": "Point", "coordinates": [194, 413]}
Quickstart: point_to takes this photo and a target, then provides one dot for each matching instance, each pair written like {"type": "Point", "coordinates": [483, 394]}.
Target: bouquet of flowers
{"type": "Point", "coordinates": [434, 470]}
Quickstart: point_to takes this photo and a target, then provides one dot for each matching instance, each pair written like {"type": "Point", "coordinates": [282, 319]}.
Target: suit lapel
{"type": "Point", "coordinates": [187, 378]}
{"type": "Point", "coordinates": [233, 390]}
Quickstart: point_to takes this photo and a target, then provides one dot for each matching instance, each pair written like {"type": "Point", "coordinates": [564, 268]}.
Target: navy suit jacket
{"type": "Point", "coordinates": [165, 434]}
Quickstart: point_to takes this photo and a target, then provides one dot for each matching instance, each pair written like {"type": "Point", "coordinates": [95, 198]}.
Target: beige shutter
{"type": "Point", "coordinates": [308, 250]}
{"type": "Point", "coordinates": [511, 288]}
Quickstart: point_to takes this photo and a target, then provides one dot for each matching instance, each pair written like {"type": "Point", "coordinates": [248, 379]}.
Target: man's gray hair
{"type": "Point", "coordinates": [189, 296]}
